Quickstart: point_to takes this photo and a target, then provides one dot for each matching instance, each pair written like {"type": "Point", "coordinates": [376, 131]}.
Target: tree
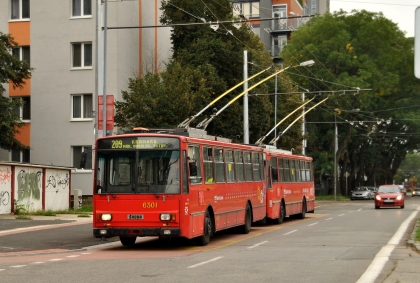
{"type": "Point", "coordinates": [367, 51]}
{"type": "Point", "coordinates": [15, 71]}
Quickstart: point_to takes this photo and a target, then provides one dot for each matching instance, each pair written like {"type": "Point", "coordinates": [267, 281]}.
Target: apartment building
{"type": "Point", "coordinates": [275, 33]}
{"type": "Point", "coordinates": [60, 40]}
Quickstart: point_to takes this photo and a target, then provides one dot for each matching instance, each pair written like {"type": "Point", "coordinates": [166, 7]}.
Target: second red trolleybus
{"type": "Point", "coordinates": [184, 183]}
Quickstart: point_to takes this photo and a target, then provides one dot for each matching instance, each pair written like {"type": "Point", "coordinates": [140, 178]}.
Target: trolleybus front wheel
{"type": "Point", "coordinates": [281, 216]}
{"type": "Point", "coordinates": [205, 238]}
{"type": "Point", "coordinates": [128, 241]}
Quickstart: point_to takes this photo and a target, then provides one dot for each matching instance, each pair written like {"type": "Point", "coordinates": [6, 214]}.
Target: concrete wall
{"type": "Point", "coordinates": [34, 187]}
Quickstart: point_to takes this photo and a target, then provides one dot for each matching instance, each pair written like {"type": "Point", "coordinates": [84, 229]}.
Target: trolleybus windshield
{"type": "Point", "coordinates": [138, 165]}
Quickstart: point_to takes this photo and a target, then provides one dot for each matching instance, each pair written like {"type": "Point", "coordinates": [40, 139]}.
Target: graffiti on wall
{"type": "Point", "coordinates": [5, 176]}
{"type": "Point", "coordinates": [4, 198]}
{"type": "Point", "coordinates": [58, 181]}
{"type": "Point", "coordinates": [29, 185]}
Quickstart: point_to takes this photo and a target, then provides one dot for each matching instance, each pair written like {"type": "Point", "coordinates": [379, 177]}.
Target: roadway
{"type": "Point", "coordinates": [340, 242]}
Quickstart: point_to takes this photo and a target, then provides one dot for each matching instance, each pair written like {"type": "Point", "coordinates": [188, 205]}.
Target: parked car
{"type": "Point", "coordinates": [362, 193]}
{"type": "Point", "coordinates": [389, 196]}
{"type": "Point", "coordinates": [415, 192]}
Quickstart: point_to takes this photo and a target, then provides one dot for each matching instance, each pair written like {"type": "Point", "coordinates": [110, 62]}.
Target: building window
{"type": "Point", "coordinates": [81, 8]}
{"type": "Point", "coordinates": [20, 9]}
{"type": "Point", "coordinates": [22, 53]}
{"type": "Point", "coordinates": [82, 106]}
{"type": "Point", "coordinates": [21, 156]}
{"type": "Point", "coordinates": [24, 112]}
{"type": "Point", "coordinates": [247, 9]}
{"type": "Point", "coordinates": [82, 55]}
{"type": "Point", "coordinates": [278, 43]}
{"type": "Point", "coordinates": [82, 157]}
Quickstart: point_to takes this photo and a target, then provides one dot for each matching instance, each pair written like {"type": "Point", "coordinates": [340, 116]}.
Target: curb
{"type": "Point", "coordinates": [415, 245]}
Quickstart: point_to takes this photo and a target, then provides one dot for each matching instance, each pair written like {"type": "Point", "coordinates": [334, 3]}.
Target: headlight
{"type": "Point", "coordinates": [106, 217]}
{"type": "Point", "coordinates": [167, 217]}
{"type": "Point", "coordinates": [399, 197]}
{"type": "Point", "coordinates": [378, 197]}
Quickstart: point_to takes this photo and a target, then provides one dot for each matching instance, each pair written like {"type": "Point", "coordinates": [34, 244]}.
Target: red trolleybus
{"type": "Point", "coordinates": [179, 183]}
{"type": "Point", "coordinates": [290, 185]}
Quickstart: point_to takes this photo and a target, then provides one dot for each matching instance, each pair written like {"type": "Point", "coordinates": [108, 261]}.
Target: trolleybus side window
{"type": "Point", "coordinates": [230, 173]}
{"type": "Point", "coordinates": [219, 165]}
{"type": "Point", "coordinates": [308, 171]}
{"type": "Point", "coordinates": [274, 171]}
{"type": "Point", "coordinates": [194, 164]}
{"type": "Point", "coordinates": [302, 171]}
{"type": "Point", "coordinates": [256, 166]}
{"type": "Point", "coordinates": [208, 165]}
{"type": "Point", "coordinates": [297, 173]}
{"type": "Point", "coordinates": [184, 173]}
{"type": "Point", "coordinates": [262, 166]}
{"type": "Point", "coordinates": [239, 166]}
{"type": "Point", "coordinates": [248, 166]}
{"type": "Point", "coordinates": [292, 171]}
{"type": "Point", "coordinates": [286, 170]}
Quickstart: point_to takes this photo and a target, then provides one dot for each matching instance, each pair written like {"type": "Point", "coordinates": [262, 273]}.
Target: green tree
{"type": "Point", "coordinates": [367, 51]}
{"type": "Point", "coordinates": [14, 71]}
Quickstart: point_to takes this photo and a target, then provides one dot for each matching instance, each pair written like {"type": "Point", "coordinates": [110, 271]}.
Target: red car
{"type": "Point", "coordinates": [389, 196]}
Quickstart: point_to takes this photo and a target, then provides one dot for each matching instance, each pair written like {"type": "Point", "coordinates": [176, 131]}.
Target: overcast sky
{"type": "Point", "coordinates": [400, 12]}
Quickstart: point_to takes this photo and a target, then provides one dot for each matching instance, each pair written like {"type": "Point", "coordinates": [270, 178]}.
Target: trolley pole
{"type": "Point", "coordinates": [246, 122]}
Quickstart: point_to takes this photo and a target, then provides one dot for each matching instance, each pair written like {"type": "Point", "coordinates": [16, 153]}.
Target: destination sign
{"type": "Point", "coordinates": [138, 143]}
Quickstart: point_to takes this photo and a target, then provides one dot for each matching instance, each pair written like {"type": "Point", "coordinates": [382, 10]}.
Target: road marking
{"type": "Point", "coordinates": [2, 269]}
{"type": "Point", "coordinates": [328, 219]}
{"type": "Point", "coordinates": [313, 224]}
{"type": "Point", "coordinates": [55, 259]}
{"type": "Point", "coordinates": [204, 262]}
{"type": "Point", "coordinates": [256, 245]}
{"type": "Point", "coordinates": [341, 214]}
{"type": "Point", "coordinates": [359, 209]}
{"type": "Point", "coordinates": [72, 256]}
{"type": "Point", "coordinates": [290, 232]}
{"type": "Point", "coordinates": [382, 256]}
{"type": "Point", "coordinates": [18, 266]}
{"type": "Point", "coordinates": [37, 262]}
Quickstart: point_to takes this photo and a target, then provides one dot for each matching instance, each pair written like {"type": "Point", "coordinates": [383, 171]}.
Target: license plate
{"type": "Point", "coordinates": [388, 200]}
{"type": "Point", "coordinates": [135, 216]}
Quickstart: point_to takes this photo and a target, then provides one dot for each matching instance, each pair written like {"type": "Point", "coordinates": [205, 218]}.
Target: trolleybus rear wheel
{"type": "Point", "coordinates": [205, 238]}
{"type": "Point", "coordinates": [128, 241]}
{"type": "Point", "coordinates": [248, 220]}
{"type": "Point", "coordinates": [302, 215]}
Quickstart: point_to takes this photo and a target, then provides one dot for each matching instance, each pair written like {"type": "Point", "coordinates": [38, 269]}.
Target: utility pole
{"type": "Point", "coordinates": [246, 122]}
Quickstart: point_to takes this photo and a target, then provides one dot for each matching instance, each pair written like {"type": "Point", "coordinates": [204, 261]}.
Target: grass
{"type": "Point", "coordinates": [85, 211]}
{"type": "Point", "coordinates": [418, 231]}
{"type": "Point", "coordinates": [331, 197]}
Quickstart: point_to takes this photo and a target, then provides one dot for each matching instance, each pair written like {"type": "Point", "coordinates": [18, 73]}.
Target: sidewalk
{"type": "Point", "coordinates": [407, 268]}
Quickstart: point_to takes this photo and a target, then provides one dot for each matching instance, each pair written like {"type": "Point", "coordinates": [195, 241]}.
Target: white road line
{"type": "Point", "coordinates": [328, 219]}
{"type": "Point", "coordinates": [2, 269]}
{"type": "Point", "coordinates": [341, 214]}
{"type": "Point", "coordinates": [17, 266]}
{"type": "Point", "coordinates": [55, 259]}
{"type": "Point", "coordinates": [37, 262]}
{"type": "Point", "coordinates": [204, 262]}
{"type": "Point", "coordinates": [313, 224]}
{"type": "Point", "coordinates": [382, 256]}
{"type": "Point", "coordinates": [72, 256]}
{"type": "Point", "coordinates": [359, 209]}
{"type": "Point", "coordinates": [256, 245]}
{"type": "Point", "coordinates": [85, 253]}
{"type": "Point", "coordinates": [290, 232]}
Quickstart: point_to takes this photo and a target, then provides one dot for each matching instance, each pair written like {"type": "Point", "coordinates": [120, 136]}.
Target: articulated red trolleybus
{"type": "Point", "coordinates": [185, 183]}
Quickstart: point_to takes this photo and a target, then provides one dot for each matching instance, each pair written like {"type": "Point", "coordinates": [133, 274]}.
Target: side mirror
{"type": "Point", "coordinates": [193, 168]}
{"type": "Point", "coordinates": [274, 173]}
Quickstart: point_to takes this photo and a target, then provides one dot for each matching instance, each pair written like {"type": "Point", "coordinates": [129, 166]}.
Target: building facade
{"type": "Point", "coordinates": [60, 40]}
{"type": "Point", "coordinates": [275, 20]}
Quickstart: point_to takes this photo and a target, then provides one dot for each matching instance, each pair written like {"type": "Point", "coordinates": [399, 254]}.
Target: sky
{"type": "Point", "coordinates": [400, 12]}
